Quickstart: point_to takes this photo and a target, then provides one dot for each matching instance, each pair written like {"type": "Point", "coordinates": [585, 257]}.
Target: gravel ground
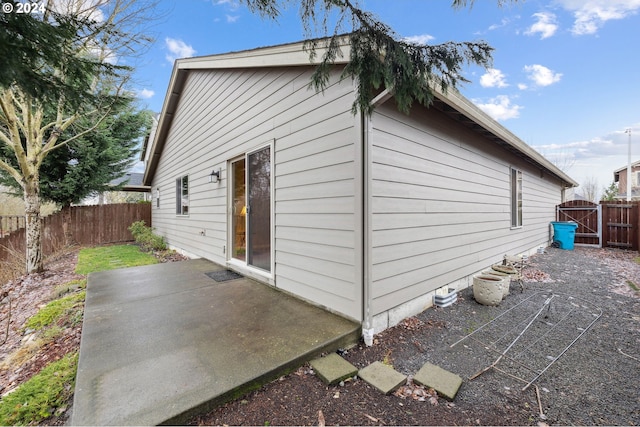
{"type": "Point", "coordinates": [595, 381]}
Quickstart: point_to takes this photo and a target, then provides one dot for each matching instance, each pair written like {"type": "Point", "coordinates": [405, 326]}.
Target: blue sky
{"type": "Point", "coordinates": [565, 77]}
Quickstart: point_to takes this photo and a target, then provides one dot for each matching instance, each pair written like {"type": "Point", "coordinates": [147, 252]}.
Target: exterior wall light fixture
{"type": "Point", "coordinates": [215, 175]}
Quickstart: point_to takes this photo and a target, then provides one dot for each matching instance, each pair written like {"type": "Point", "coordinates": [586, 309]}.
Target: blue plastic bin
{"type": "Point", "coordinates": [564, 232]}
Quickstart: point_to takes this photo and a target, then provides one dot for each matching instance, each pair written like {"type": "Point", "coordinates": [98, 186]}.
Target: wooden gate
{"type": "Point", "coordinates": [620, 224]}
{"type": "Point", "coordinates": [588, 216]}
{"type": "Point", "coordinates": [609, 224]}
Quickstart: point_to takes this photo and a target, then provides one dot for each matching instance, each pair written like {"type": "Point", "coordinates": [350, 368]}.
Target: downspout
{"type": "Point", "coordinates": [367, 184]}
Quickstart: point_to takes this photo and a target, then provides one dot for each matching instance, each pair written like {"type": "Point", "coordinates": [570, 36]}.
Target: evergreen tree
{"type": "Point", "coordinates": [379, 58]}
{"type": "Point", "coordinates": [43, 103]}
{"type": "Point", "coordinates": [609, 193]}
{"type": "Point", "coordinates": [85, 166]}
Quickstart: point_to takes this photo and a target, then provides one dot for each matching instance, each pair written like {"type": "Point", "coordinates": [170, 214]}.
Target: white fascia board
{"type": "Point", "coordinates": [293, 54]}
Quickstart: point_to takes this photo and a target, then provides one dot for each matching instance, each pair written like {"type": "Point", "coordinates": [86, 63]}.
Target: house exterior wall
{"type": "Point", "coordinates": [316, 182]}
{"type": "Point", "coordinates": [441, 207]}
{"type": "Point", "coordinates": [635, 181]}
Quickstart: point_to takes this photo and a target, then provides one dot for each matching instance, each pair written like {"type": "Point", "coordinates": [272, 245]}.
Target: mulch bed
{"type": "Point", "coordinates": [594, 383]}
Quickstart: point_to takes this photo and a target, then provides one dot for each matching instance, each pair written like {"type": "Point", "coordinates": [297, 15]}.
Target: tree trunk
{"type": "Point", "coordinates": [66, 221]}
{"type": "Point", "coordinates": [34, 263]}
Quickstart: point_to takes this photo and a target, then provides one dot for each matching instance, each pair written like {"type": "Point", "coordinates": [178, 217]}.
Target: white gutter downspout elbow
{"type": "Point", "coordinates": [368, 330]}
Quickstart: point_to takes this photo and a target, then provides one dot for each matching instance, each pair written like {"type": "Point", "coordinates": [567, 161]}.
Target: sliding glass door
{"type": "Point", "coordinates": [251, 211]}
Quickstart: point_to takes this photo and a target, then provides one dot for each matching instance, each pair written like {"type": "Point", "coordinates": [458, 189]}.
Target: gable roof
{"type": "Point", "coordinates": [616, 173]}
{"type": "Point", "coordinates": [294, 54]}
{"type": "Point", "coordinates": [132, 182]}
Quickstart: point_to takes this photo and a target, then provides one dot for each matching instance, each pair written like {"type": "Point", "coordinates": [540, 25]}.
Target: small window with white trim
{"type": "Point", "coordinates": [516, 198]}
{"type": "Point", "coordinates": [182, 195]}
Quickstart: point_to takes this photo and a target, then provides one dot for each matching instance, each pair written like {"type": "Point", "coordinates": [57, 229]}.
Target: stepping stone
{"type": "Point", "coordinates": [444, 382]}
{"type": "Point", "coordinates": [383, 377]}
{"type": "Point", "coordinates": [332, 368]}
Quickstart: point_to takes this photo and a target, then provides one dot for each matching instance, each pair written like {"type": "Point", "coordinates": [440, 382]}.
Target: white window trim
{"type": "Point", "coordinates": [515, 198]}
{"type": "Point", "coordinates": [179, 196]}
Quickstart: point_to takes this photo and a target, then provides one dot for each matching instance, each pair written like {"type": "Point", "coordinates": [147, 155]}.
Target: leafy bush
{"type": "Point", "coordinates": [146, 238]}
{"type": "Point", "coordinates": [39, 398]}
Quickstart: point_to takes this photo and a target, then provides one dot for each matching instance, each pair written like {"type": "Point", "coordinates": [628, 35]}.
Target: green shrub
{"type": "Point", "coordinates": [41, 396]}
{"type": "Point", "coordinates": [146, 238]}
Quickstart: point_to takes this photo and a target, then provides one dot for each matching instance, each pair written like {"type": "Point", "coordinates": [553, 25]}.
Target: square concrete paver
{"type": "Point", "coordinates": [442, 381]}
{"type": "Point", "coordinates": [332, 368]}
{"type": "Point", "coordinates": [383, 377]}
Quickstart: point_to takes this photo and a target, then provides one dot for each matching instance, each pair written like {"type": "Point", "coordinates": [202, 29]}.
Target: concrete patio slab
{"type": "Point", "coordinates": [162, 343]}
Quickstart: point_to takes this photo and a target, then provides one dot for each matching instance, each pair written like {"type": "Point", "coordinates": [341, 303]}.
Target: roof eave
{"type": "Point", "coordinates": [465, 107]}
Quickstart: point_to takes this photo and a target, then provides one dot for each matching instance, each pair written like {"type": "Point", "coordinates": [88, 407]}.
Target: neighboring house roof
{"type": "Point", "coordinates": [294, 54]}
{"type": "Point", "coordinates": [132, 182]}
{"type": "Point", "coordinates": [616, 173]}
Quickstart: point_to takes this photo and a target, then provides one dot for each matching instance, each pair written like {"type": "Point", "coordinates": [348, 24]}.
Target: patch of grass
{"type": "Point", "coordinates": [69, 287]}
{"type": "Point", "coordinates": [112, 257]}
{"type": "Point", "coordinates": [41, 396]}
{"type": "Point", "coordinates": [633, 286]}
{"type": "Point", "coordinates": [53, 311]}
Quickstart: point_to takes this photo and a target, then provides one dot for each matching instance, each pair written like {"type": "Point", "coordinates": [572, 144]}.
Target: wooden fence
{"type": "Point", "coordinates": [10, 223]}
{"type": "Point", "coordinates": [88, 225]}
{"type": "Point", "coordinates": [608, 224]}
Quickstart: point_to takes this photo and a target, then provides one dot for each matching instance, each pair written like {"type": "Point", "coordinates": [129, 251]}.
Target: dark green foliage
{"type": "Point", "coordinates": [610, 192]}
{"type": "Point", "coordinates": [379, 58]}
{"type": "Point", "coordinates": [39, 55]}
{"type": "Point", "coordinates": [86, 165]}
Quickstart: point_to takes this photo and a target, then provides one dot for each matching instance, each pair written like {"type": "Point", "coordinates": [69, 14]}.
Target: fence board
{"type": "Point", "coordinates": [89, 226]}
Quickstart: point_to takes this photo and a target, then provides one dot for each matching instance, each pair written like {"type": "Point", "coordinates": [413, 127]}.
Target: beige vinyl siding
{"type": "Point", "coordinates": [441, 204]}
{"type": "Point", "coordinates": [223, 114]}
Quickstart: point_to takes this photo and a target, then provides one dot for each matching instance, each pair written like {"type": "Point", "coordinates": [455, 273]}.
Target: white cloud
{"type": "Point", "coordinates": [503, 23]}
{"type": "Point", "coordinates": [522, 86]}
{"type": "Point", "coordinates": [612, 144]}
{"type": "Point", "coordinates": [500, 108]}
{"type": "Point", "coordinates": [232, 19]}
{"type": "Point", "coordinates": [145, 93]}
{"type": "Point", "coordinates": [591, 15]}
{"type": "Point", "coordinates": [541, 75]}
{"type": "Point", "coordinates": [419, 39]}
{"type": "Point", "coordinates": [177, 49]}
{"type": "Point", "coordinates": [546, 25]}
{"type": "Point", "coordinates": [493, 78]}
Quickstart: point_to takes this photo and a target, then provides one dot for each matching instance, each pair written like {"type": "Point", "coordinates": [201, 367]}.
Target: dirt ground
{"type": "Point", "coordinates": [593, 382]}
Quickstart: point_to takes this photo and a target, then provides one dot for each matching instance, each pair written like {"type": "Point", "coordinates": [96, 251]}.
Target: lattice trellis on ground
{"type": "Point", "coordinates": [532, 335]}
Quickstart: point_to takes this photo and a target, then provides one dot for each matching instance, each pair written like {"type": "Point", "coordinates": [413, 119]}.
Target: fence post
{"type": "Point", "coordinates": [635, 231]}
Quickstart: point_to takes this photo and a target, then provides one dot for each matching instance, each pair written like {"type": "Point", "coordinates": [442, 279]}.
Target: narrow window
{"type": "Point", "coordinates": [516, 198]}
{"type": "Point", "coordinates": [182, 195]}
{"type": "Point", "coordinates": [157, 197]}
